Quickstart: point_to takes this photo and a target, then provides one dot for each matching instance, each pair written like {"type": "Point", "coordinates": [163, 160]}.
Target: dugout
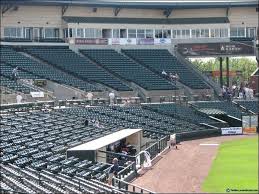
{"type": "Point", "coordinates": [96, 150]}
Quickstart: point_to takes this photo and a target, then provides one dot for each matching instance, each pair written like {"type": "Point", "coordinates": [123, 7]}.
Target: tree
{"type": "Point", "coordinates": [246, 65]}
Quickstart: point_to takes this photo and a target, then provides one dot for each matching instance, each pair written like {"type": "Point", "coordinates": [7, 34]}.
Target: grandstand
{"type": "Point", "coordinates": [73, 55]}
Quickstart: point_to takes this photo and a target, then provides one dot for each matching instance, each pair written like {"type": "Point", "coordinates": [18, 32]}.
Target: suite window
{"type": "Point", "coordinates": [185, 33]}
{"type": "Point", "coordinates": [80, 33]}
{"type": "Point", "coordinates": [215, 33]}
{"type": "Point", "coordinates": [51, 33]}
{"type": "Point", "coordinates": [149, 33]}
{"type": "Point", "coordinates": [204, 33]}
{"type": "Point", "coordinates": [176, 33]}
{"type": "Point", "coordinates": [223, 32]}
{"type": "Point", "coordinates": [106, 33]}
{"type": "Point", "coordinates": [131, 33]}
{"type": "Point", "coordinates": [166, 33]}
{"type": "Point", "coordinates": [13, 32]}
{"type": "Point", "coordinates": [241, 32]}
{"type": "Point", "coordinates": [158, 34]}
{"type": "Point", "coordinates": [89, 33]}
{"type": "Point", "coordinates": [116, 33]}
{"type": "Point", "coordinates": [98, 33]}
{"type": "Point", "coordinates": [198, 33]}
{"type": "Point", "coordinates": [237, 32]}
{"type": "Point", "coordinates": [123, 33]}
{"type": "Point", "coordinates": [65, 33]}
{"type": "Point", "coordinates": [140, 33]}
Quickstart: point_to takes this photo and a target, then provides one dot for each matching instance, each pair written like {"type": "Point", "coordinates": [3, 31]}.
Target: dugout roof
{"type": "Point", "coordinates": [106, 140]}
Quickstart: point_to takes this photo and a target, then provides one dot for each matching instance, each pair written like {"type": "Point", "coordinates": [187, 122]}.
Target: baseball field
{"type": "Point", "coordinates": [235, 168]}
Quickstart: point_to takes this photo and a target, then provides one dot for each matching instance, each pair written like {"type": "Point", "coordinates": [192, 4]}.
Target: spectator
{"type": "Point", "coordinates": [97, 123]}
{"type": "Point", "coordinates": [113, 170]}
{"type": "Point", "coordinates": [19, 98]}
{"type": "Point", "coordinates": [112, 97]}
{"type": "Point", "coordinates": [15, 73]}
{"type": "Point", "coordinates": [164, 73]}
{"type": "Point", "coordinates": [86, 123]}
{"type": "Point", "coordinates": [90, 97]}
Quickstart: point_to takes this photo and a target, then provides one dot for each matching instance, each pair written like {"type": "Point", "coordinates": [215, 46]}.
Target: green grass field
{"type": "Point", "coordinates": [235, 167]}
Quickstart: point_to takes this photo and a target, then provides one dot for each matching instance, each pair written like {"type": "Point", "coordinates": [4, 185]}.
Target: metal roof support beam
{"type": "Point", "coordinates": [6, 8]}
{"type": "Point", "coordinates": [64, 9]}
{"type": "Point", "coordinates": [116, 11]}
{"type": "Point", "coordinates": [167, 12]}
{"type": "Point", "coordinates": [227, 11]}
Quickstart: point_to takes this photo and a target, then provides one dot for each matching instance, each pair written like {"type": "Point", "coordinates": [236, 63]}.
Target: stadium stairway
{"type": "Point", "coordinates": [158, 60]}
{"type": "Point", "coordinates": [137, 91]}
{"type": "Point", "coordinates": [128, 69]}
{"type": "Point", "coordinates": [178, 85]}
{"type": "Point", "coordinates": [188, 64]}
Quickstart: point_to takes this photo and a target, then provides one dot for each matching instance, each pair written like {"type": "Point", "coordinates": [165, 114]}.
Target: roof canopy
{"type": "Point", "coordinates": [145, 4]}
{"type": "Point", "coordinates": [114, 20]}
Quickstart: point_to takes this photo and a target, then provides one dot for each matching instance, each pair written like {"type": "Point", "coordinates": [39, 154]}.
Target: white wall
{"type": "Point", "coordinates": [248, 16]}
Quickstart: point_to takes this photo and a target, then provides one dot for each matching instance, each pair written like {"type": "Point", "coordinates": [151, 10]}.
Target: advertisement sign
{"type": "Point", "coordinates": [114, 41]}
{"type": "Point", "coordinates": [162, 41]}
{"type": "Point", "coordinates": [249, 124]}
{"type": "Point", "coordinates": [249, 130]}
{"type": "Point", "coordinates": [231, 131]}
{"type": "Point", "coordinates": [37, 94]}
{"type": "Point", "coordinates": [217, 49]}
{"type": "Point", "coordinates": [93, 41]}
{"type": "Point", "coordinates": [128, 41]}
{"type": "Point", "coordinates": [224, 73]}
{"type": "Point", "coordinates": [145, 41]}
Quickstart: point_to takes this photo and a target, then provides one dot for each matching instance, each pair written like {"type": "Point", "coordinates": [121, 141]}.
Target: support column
{"type": "Point", "coordinates": [220, 72]}
{"type": "Point", "coordinates": [227, 63]}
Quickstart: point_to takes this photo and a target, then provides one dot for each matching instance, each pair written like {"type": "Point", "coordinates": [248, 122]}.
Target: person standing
{"type": "Point", "coordinates": [113, 170]}
{"type": "Point", "coordinates": [112, 97]}
{"type": "Point", "coordinates": [90, 97]}
{"type": "Point", "coordinates": [15, 73]}
{"type": "Point", "coordinates": [19, 98]}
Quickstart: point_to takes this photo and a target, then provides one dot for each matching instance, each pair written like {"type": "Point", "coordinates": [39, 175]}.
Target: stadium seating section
{"type": "Point", "coordinates": [183, 112]}
{"type": "Point", "coordinates": [14, 85]}
{"type": "Point", "coordinates": [67, 60]}
{"type": "Point", "coordinates": [159, 60]}
{"type": "Point", "coordinates": [155, 125]}
{"type": "Point", "coordinates": [128, 69]}
{"type": "Point", "coordinates": [251, 105]}
{"type": "Point", "coordinates": [34, 146]}
{"type": "Point", "coordinates": [12, 58]}
{"type": "Point", "coordinates": [218, 107]}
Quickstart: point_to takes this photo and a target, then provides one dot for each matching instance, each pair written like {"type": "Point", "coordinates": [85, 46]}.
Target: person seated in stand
{"type": "Point", "coordinates": [86, 123]}
{"type": "Point", "coordinates": [164, 73]}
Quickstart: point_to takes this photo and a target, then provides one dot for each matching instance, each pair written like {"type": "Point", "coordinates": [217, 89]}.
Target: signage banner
{"type": "Point", "coordinates": [114, 41]}
{"type": "Point", "coordinates": [249, 124]}
{"type": "Point", "coordinates": [159, 41]}
{"type": "Point", "coordinates": [216, 49]}
{"type": "Point", "coordinates": [93, 41]}
{"type": "Point", "coordinates": [145, 41]}
{"type": "Point", "coordinates": [128, 41]}
{"type": "Point", "coordinates": [231, 131]}
{"type": "Point", "coordinates": [249, 130]}
{"type": "Point", "coordinates": [37, 94]}
{"type": "Point", "coordinates": [224, 73]}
